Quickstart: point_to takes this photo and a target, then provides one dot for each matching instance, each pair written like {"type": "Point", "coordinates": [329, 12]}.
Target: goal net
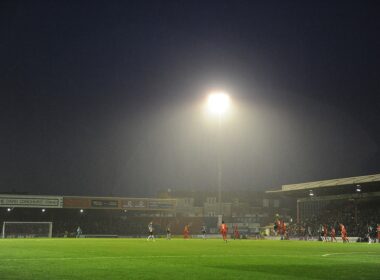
{"type": "Point", "coordinates": [27, 229]}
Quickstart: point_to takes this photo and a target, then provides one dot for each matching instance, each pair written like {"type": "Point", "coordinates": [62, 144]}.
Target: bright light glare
{"type": "Point", "coordinates": [218, 103]}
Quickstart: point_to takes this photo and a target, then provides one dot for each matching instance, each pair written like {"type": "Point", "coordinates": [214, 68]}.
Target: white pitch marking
{"type": "Point", "coordinates": [349, 253]}
{"type": "Point", "coordinates": [142, 257]}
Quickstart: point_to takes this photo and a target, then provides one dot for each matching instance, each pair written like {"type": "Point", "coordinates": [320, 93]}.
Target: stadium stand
{"type": "Point", "coordinates": [304, 207]}
{"type": "Point", "coordinates": [121, 216]}
{"type": "Point", "coordinates": [353, 201]}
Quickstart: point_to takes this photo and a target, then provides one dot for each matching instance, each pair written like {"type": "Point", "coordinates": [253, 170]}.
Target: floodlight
{"type": "Point", "coordinates": [218, 103]}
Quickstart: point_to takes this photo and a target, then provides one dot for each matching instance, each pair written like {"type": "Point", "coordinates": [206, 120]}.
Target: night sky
{"type": "Point", "coordinates": [105, 97]}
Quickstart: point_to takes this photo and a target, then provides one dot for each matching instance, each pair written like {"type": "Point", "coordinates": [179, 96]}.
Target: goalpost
{"type": "Point", "coordinates": [27, 229]}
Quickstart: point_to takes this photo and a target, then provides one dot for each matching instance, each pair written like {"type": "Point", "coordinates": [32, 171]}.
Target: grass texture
{"type": "Point", "coordinates": [185, 259]}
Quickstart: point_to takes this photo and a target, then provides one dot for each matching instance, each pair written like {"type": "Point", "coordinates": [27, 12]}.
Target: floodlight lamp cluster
{"type": "Point", "coordinates": [218, 103]}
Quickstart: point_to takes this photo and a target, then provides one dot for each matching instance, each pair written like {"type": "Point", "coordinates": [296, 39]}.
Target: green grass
{"type": "Point", "coordinates": [185, 259]}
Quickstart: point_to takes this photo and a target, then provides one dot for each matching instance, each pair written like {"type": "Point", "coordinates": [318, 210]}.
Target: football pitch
{"type": "Point", "coordinates": [185, 259]}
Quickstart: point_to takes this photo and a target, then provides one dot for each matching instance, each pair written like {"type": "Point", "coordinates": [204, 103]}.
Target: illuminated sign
{"type": "Point", "coordinates": [104, 203]}
{"type": "Point", "coordinates": [161, 204]}
{"type": "Point", "coordinates": [134, 203]}
{"type": "Point", "coordinates": [31, 201]}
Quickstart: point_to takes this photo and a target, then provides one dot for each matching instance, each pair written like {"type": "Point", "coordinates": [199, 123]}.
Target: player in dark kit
{"type": "Point", "coordinates": [371, 233]}
{"type": "Point", "coordinates": [150, 230]}
{"type": "Point", "coordinates": [79, 232]}
{"type": "Point", "coordinates": [203, 231]}
{"type": "Point", "coordinates": [168, 233]}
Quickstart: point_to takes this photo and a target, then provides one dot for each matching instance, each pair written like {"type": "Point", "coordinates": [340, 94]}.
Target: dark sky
{"type": "Point", "coordinates": [104, 97]}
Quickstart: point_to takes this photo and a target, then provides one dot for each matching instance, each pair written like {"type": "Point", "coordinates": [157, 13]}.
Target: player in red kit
{"type": "Point", "coordinates": [223, 231]}
{"type": "Point", "coordinates": [236, 232]}
{"type": "Point", "coordinates": [186, 232]}
{"type": "Point", "coordinates": [284, 231]}
{"type": "Point", "coordinates": [278, 226]}
{"type": "Point", "coordinates": [333, 234]}
{"type": "Point", "coordinates": [324, 232]}
{"type": "Point", "coordinates": [378, 233]}
{"type": "Point", "coordinates": [281, 230]}
{"type": "Point", "coordinates": [344, 233]}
